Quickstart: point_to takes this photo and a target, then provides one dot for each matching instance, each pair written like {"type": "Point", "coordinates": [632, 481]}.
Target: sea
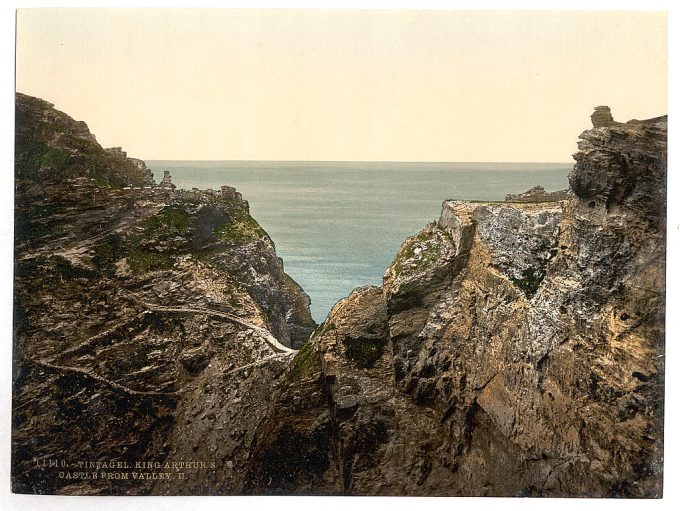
{"type": "Point", "coordinates": [338, 225]}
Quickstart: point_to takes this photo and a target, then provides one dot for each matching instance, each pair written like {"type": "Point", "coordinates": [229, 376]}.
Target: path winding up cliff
{"type": "Point", "coordinates": [133, 301]}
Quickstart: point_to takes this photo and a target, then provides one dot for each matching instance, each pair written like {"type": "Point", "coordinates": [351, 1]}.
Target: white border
{"type": "Point", "coordinates": [21, 502]}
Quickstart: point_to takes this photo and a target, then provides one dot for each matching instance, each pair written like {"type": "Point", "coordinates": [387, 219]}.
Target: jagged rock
{"type": "Point", "coordinates": [51, 148]}
{"type": "Point", "coordinates": [538, 194]}
{"type": "Point", "coordinates": [514, 348]}
{"type": "Point", "coordinates": [623, 166]}
{"type": "Point", "coordinates": [523, 353]}
{"type": "Point", "coordinates": [602, 117]}
{"type": "Point", "coordinates": [166, 182]}
{"type": "Point", "coordinates": [129, 330]}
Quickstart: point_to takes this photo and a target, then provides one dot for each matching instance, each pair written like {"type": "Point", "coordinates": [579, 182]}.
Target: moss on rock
{"type": "Point", "coordinates": [419, 252]}
{"type": "Point", "coordinates": [530, 281]}
{"type": "Point", "coordinates": [55, 158]}
{"type": "Point", "coordinates": [304, 363]}
{"type": "Point", "coordinates": [241, 230]}
{"type": "Point", "coordinates": [169, 222]}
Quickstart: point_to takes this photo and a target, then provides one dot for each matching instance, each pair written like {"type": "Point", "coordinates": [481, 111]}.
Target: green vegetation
{"type": "Point", "coordinates": [56, 159]}
{"type": "Point", "coordinates": [240, 231]}
{"type": "Point", "coordinates": [30, 142]}
{"type": "Point", "coordinates": [142, 261]}
{"type": "Point", "coordinates": [26, 231]}
{"type": "Point", "coordinates": [107, 252]}
{"type": "Point", "coordinates": [364, 352]}
{"type": "Point", "coordinates": [171, 221]}
{"type": "Point", "coordinates": [91, 160]}
{"type": "Point", "coordinates": [430, 245]}
{"type": "Point", "coordinates": [233, 301]}
{"type": "Point", "coordinates": [34, 223]}
{"type": "Point", "coordinates": [530, 281]}
{"type": "Point", "coordinates": [28, 157]}
{"type": "Point", "coordinates": [168, 233]}
{"type": "Point", "coordinates": [322, 329]}
{"type": "Point", "coordinates": [533, 276]}
{"type": "Point", "coordinates": [45, 138]}
{"type": "Point", "coordinates": [241, 227]}
{"type": "Point", "coordinates": [52, 271]}
{"type": "Point", "coordinates": [304, 363]}
{"type": "Point", "coordinates": [42, 211]}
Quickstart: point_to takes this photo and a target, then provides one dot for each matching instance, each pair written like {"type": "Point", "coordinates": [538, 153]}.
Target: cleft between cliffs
{"type": "Point", "coordinates": [515, 348]}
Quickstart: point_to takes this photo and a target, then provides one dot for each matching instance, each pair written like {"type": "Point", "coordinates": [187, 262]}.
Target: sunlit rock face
{"type": "Point", "coordinates": [514, 348]}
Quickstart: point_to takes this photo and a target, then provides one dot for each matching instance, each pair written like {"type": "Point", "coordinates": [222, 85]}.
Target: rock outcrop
{"type": "Point", "coordinates": [602, 117]}
{"type": "Point", "coordinates": [618, 168]}
{"type": "Point", "coordinates": [142, 313]}
{"type": "Point", "coordinates": [515, 349]}
{"type": "Point", "coordinates": [166, 182]}
{"type": "Point", "coordinates": [538, 194]}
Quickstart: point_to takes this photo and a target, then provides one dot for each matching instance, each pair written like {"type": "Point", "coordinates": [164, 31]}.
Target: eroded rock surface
{"type": "Point", "coordinates": [514, 349]}
{"type": "Point", "coordinates": [538, 194]}
{"type": "Point", "coordinates": [150, 323]}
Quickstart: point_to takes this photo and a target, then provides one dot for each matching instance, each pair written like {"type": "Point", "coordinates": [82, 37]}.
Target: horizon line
{"type": "Point", "coordinates": [352, 161]}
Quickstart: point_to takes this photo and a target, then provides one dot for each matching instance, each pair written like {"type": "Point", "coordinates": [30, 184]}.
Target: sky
{"type": "Point", "coordinates": [375, 85]}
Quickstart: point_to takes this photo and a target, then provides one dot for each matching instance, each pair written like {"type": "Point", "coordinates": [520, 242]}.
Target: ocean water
{"type": "Point", "coordinates": [338, 225]}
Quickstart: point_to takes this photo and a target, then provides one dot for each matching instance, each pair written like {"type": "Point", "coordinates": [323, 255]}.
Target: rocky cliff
{"type": "Point", "coordinates": [132, 302]}
{"type": "Point", "coordinates": [514, 349]}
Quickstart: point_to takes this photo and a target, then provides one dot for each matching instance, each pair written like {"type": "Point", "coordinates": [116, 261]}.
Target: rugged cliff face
{"type": "Point", "coordinates": [514, 348]}
{"type": "Point", "coordinates": [132, 302]}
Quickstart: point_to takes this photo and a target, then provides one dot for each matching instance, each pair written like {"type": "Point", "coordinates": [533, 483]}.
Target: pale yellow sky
{"type": "Point", "coordinates": [343, 85]}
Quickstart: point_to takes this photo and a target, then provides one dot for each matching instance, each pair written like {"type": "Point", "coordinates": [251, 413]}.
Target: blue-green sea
{"type": "Point", "coordinates": [338, 225]}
